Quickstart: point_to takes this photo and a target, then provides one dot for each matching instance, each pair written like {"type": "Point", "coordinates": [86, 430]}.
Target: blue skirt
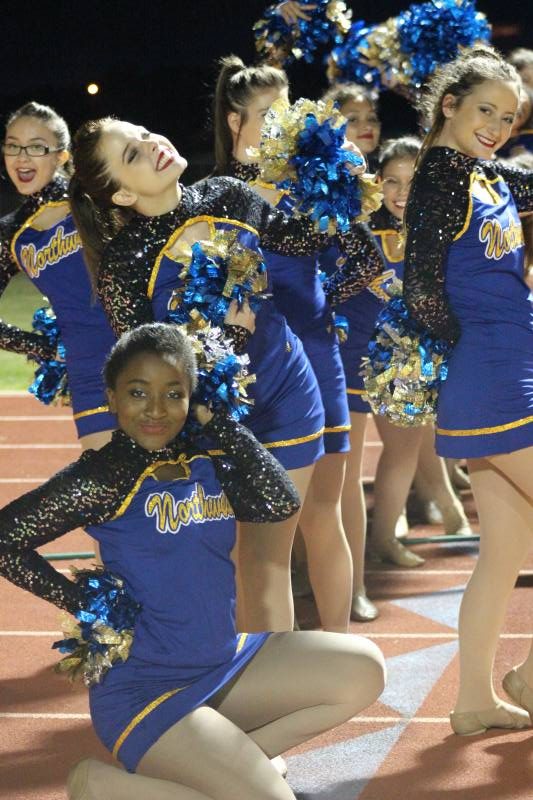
{"type": "Point", "coordinates": [322, 350]}
{"type": "Point", "coordinates": [89, 406]}
{"type": "Point", "coordinates": [485, 404]}
{"type": "Point", "coordinates": [137, 702]}
{"type": "Point", "coordinates": [351, 360]}
{"type": "Point", "coordinates": [287, 416]}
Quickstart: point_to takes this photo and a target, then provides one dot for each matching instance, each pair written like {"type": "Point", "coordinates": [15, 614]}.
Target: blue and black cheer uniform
{"type": "Point", "coordinates": [53, 261]}
{"type": "Point", "coordinates": [464, 263]}
{"type": "Point", "coordinates": [140, 270]}
{"type": "Point", "coordinates": [306, 303]}
{"type": "Point", "coordinates": [170, 540]}
{"type": "Point", "coordinates": [362, 309]}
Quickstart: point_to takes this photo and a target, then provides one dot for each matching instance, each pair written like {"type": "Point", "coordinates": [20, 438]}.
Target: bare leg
{"type": "Point", "coordinates": [263, 556]}
{"type": "Point", "coordinates": [94, 780]}
{"type": "Point", "coordinates": [394, 475]}
{"type": "Point", "coordinates": [433, 484]}
{"type": "Point", "coordinates": [328, 555]}
{"type": "Point", "coordinates": [284, 697]}
{"type": "Point", "coordinates": [503, 489]}
{"type": "Point", "coordinates": [517, 468]}
{"type": "Point", "coordinates": [287, 695]}
{"type": "Point", "coordinates": [354, 518]}
{"type": "Point", "coordinates": [458, 477]}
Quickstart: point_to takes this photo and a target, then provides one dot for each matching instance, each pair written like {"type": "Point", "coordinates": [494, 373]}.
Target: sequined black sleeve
{"type": "Point", "coordinates": [296, 236]}
{"type": "Point", "coordinates": [123, 284]}
{"type": "Point", "coordinates": [86, 493]}
{"type": "Point", "coordinates": [363, 263]}
{"type": "Point", "coordinates": [519, 181]}
{"type": "Point", "coordinates": [12, 338]}
{"type": "Point", "coordinates": [256, 484]}
{"type": "Point", "coordinates": [289, 236]}
{"type": "Point", "coordinates": [436, 212]}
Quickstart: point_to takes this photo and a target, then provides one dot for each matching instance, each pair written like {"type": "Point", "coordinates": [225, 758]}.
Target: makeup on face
{"type": "Point", "coordinates": [31, 173]}
{"type": "Point", "coordinates": [481, 122]}
{"type": "Point", "coordinates": [362, 124]}
{"type": "Point", "coordinates": [146, 164]}
{"type": "Point", "coordinates": [151, 399]}
{"type": "Point", "coordinates": [396, 177]}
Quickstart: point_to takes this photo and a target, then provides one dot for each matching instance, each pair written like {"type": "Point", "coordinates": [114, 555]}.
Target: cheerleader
{"type": "Point", "coordinates": [242, 98]}
{"type": "Point", "coordinates": [193, 707]}
{"type": "Point", "coordinates": [464, 282]}
{"type": "Point", "coordinates": [123, 167]}
{"type": "Point", "coordinates": [40, 240]}
{"type": "Point", "coordinates": [363, 125]}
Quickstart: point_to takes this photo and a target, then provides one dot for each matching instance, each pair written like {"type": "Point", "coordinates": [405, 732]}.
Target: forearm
{"type": "Point", "coordinates": [256, 484]}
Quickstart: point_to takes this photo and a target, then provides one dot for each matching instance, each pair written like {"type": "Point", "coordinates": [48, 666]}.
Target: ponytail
{"type": "Point", "coordinates": [91, 190]}
{"type": "Point", "coordinates": [235, 88]}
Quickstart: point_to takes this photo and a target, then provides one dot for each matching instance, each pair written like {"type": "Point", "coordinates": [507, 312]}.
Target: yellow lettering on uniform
{"type": "Point", "coordinates": [500, 241]}
{"type": "Point", "coordinates": [60, 245]}
{"type": "Point", "coordinates": [171, 514]}
{"type": "Point", "coordinates": [162, 507]}
{"type": "Point", "coordinates": [377, 285]}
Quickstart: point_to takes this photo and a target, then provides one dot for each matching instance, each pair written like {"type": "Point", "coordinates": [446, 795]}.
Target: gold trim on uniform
{"type": "Point", "coordinates": [479, 431]}
{"type": "Point", "coordinates": [355, 391]}
{"type": "Point", "coordinates": [285, 442]}
{"type": "Point", "coordinates": [211, 221]}
{"type": "Point", "coordinates": [97, 410]}
{"type": "Point", "coordinates": [182, 460]}
{"type": "Point", "coordinates": [157, 702]}
{"type": "Point", "coordinates": [495, 196]}
{"type": "Point", "coordinates": [27, 224]}
{"type": "Point", "coordinates": [280, 193]}
{"type": "Point", "coordinates": [290, 442]}
{"type": "Point", "coordinates": [140, 716]}
{"type": "Point", "coordinates": [338, 429]}
{"type": "Point", "coordinates": [383, 236]}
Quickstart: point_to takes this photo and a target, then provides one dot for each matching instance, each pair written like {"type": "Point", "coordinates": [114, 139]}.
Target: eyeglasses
{"type": "Point", "coordinates": [31, 150]}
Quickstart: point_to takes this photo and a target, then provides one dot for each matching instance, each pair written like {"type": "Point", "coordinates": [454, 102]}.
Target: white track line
{"type": "Point", "coordinates": [364, 720]}
{"type": "Point", "coordinates": [23, 480]}
{"type": "Point", "coordinates": [404, 720]}
{"type": "Point", "coordinates": [369, 634]}
{"type": "Point", "coordinates": [6, 715]}
{"type": "Point", "coordinates": [31, 633]}
{"type": "Point", "coordinates": [41, 446]}
{"type": "Point", "coordinates": [34, 418]}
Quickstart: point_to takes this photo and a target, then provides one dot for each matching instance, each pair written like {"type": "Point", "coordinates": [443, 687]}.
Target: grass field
{"type": "Point", "coordinates": [17, 305]}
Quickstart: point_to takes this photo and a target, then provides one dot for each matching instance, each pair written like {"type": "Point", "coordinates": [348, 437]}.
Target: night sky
{"type": "Point", "coordinates": [155, 61]}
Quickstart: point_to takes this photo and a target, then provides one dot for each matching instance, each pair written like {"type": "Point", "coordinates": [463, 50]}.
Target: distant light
{"type": "Point", "coordinates": [93, 88]}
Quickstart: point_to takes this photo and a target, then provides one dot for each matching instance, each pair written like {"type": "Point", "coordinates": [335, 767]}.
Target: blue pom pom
{"type": "Point", "coordinates": [430, 34]}
{"type": "Point", "coordinates": [105, 626]}
{"type": "Point", "coordinates": [303, 39]}
{"type": "Point", "coordinates": [349, 65]}
{"type": "Point", "coordinates": [323, 188]}
{"type": "Point", "coordinates": [50, 383]}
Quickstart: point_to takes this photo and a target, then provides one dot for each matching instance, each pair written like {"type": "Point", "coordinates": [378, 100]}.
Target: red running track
{"type": "Point", "coordinates": [402, 746]}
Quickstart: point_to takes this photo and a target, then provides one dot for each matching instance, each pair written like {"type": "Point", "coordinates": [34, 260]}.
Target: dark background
{"type": "Point", "coordinates": [155, 62]}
